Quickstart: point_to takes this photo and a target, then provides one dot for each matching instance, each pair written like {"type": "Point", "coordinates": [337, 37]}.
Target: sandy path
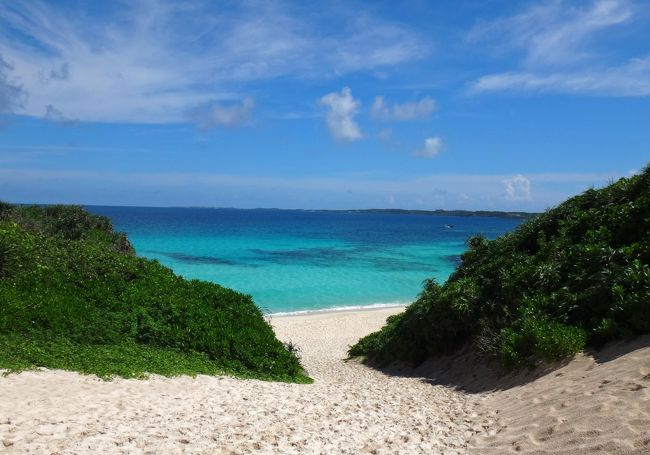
{"type": "Point", "coordinates": [349, 409]}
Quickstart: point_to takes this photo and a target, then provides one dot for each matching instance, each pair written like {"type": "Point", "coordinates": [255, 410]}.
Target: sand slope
{"type": "Point", "coordinates": [349, 409]}
{"type": "Point", "coordinates": [597, 404]}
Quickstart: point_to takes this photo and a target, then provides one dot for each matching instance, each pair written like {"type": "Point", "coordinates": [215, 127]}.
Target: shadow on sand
{"type": "Point", "coordinates": [470, 372]}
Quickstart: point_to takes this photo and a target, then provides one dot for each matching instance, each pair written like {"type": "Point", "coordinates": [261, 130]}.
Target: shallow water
{"type": "Point", "coordinates": [301, 260]}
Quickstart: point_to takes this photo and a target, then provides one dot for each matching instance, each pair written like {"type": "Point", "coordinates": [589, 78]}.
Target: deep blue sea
{"type": "Point", "coordinates": [304, 260]}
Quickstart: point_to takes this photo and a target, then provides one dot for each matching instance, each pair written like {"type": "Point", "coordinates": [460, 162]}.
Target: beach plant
{"type": "Point", "coordinates": [576, 275]}
{"type": "Point", "coordinates": [73, 295]}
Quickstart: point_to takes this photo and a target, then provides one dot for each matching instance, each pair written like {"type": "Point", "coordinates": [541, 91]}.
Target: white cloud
{"type": "Point", "coordinates": [558, 40]}
{"type": "Point", "coordinates": [517, 188]}
{"type": "Point", "coordinates": [340, 116]}
{"type": "Point", "coordinates": [554, 32]}
{"type": "Point", "coordinates": [631, 79]}
{"type": "Point", "coordinates": [55, 115]}
{"type": "Point", "coordinates": [12, 96]}
{"type": "Point", "coordinates": [214, 115]}
{"type": "Point", "coordinates": [154, 61]}
{"type": "Point", "coordinates": [405, 111]}
{"type": "Point", "coordinates": [61, 73]}
{"type": "Point", "coordinates": [432, 146]}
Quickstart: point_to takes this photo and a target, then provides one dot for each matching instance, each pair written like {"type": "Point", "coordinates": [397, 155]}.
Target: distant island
{"type": "Point", "coordinates": [440, 212]}
{"type": "Point", "coordinates": [437, 212]}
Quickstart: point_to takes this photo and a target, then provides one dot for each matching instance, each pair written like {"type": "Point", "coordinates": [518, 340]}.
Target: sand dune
{"type": "Point", "coordinates": [595, 404]}
{"type": "Point", "coordinates": [599, 403]}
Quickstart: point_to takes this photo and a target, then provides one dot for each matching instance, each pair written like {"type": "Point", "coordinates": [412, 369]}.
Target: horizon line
{"type": "Point", "coordinates": [369, 209]}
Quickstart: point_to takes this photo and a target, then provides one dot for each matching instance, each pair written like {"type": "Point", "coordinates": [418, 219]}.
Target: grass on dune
{"type": "Point", "coordinates": [128, 360]}
{"type": "Point", "coordinates": [73, 295]}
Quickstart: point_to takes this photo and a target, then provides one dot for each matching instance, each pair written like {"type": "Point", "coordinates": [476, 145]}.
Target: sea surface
{"type": "Point", "coordinates": [294, 261]}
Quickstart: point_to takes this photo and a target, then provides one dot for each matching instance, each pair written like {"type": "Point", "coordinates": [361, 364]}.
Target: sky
{"type": "Point", "coordinates": [471, 104]}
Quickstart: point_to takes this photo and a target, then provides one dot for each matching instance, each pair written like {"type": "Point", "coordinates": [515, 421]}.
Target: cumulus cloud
{"type": "Point", "coordinates": [401, 112]}
{"type": "Point", "coordinates": [213, 115]}
{"type": "Point", "coordinates": [12, 96]}
{"type": "Point", "coordinates": [517, 188]}
{"type": "Point", "coordinates": [342, 108]}
{"type": "Point", "coordinates": [432, 146]}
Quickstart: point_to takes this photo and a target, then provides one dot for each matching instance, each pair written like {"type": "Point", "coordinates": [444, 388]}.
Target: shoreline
{"type": "Point", "coordinates": [352, 309]}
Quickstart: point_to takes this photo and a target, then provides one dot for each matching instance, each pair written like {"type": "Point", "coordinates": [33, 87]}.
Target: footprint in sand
{"type": "Point", "coordinates": [635, 387]}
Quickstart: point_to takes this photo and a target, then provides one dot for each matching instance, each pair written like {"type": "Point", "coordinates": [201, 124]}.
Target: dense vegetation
{"type": "Point", "coordinates": [73, 295]}
{"type": "Point", "coordinates": [577, 274]}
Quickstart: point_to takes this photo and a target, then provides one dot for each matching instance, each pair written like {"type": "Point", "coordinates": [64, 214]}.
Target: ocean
{"type": "Point", "coordinates": [297, 261]}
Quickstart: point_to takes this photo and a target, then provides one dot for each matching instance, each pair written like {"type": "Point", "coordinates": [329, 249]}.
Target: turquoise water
{"type": "Point", "coordinates": [300, 260]}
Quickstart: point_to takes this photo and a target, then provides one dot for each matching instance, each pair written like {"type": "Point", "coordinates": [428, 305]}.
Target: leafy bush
{"type": "Point", "coordinates": [74, 295]}
{"type": "Point", "coordinates": [577, 274]}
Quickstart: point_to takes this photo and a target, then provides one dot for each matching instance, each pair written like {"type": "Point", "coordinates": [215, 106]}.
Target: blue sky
{"type": "Point", "coordinates": [419, 104]}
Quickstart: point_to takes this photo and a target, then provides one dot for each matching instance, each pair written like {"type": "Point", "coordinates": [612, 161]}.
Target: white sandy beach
{"type": "Point", "coordinates": [585, 407]}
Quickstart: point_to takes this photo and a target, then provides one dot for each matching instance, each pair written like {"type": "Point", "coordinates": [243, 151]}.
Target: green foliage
{"type": "Point", "coordinates": [535, 336]}
{"type": "Point", "coordinates": [73, 295]}
{"type": "Point", "coordinates": [577, 274]}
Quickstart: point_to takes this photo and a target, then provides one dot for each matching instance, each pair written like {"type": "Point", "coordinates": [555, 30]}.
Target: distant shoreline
{"type": "Point", "coordinates": [440, 212]}
{"type": "Point", "coordinates": [436, 212]}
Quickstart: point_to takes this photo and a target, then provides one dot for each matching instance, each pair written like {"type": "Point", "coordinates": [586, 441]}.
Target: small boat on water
{"type": "Point", "coordinates": [449, 226]}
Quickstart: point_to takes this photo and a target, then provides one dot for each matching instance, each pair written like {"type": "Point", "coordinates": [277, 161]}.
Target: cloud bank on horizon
{"type": "Point", "coordinates": [302, 92]}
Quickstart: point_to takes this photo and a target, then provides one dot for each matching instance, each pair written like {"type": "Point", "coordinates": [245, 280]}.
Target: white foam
{"type": "Point", "coordinates": [372, 306]}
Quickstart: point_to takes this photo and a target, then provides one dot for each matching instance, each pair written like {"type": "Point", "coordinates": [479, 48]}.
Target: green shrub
{"type": "Point", "coordinates": [73, 295]}
{"type": "Point", "coordinates": [577, 274]}
{"type": "Point", "coordinates": [537, 337]}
